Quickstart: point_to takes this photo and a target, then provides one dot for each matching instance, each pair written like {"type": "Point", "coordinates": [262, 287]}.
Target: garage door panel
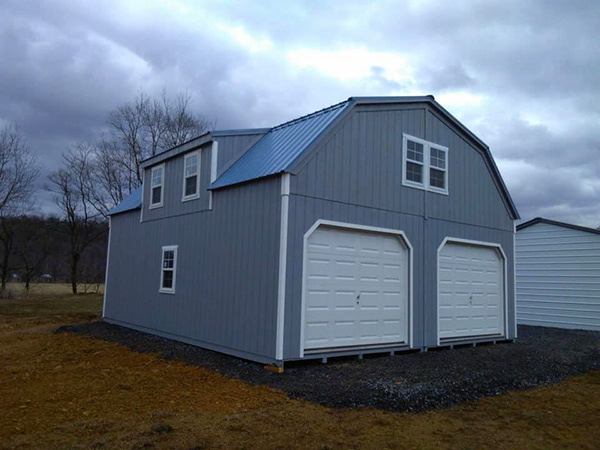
{"type": "Point", "coordinates": [471, 296]}
{"type": "Point", "coordinates": [356, 289]}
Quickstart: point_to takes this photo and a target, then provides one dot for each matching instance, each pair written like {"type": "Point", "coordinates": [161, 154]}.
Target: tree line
{"type": "Point", "coordinates": [92, 178]}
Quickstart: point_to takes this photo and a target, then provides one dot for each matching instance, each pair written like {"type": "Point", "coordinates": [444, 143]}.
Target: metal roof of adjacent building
{"type": "Point", "coordinates": [280, 147]}
{"type": "Point", "coordinates": [134, 201]}
{"type": "Point", "coordinates": [557, 223]}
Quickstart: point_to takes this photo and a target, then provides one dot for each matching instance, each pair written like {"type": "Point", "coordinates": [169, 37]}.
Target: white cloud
{"type": "Point", "coordinates": [249, 42]}
{"type": "Point", "coordinates": [352, 64]}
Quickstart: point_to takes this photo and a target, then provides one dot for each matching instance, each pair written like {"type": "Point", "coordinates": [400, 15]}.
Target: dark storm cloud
{"type": "Point", "coordinates": [524, 76]}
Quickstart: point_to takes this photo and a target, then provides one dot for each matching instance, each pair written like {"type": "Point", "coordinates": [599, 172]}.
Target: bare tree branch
{"type": "Point", "coordinates": [18, 172]}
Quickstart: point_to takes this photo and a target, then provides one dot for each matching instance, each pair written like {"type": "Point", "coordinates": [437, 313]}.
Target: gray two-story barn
{"type": "Point", "coordinates": [378, 224]}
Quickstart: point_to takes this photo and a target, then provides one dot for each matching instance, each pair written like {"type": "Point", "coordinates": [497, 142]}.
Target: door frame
{"type": "Point", "coordinates": [493, 245]}
{"type": "Point", "coordinates": [353, 226]}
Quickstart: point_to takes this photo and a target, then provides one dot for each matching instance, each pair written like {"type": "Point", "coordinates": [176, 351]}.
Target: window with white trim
{"type": "Point", "coordinates": [168, 269]}
{"type": "Point", "coordinates": [425, 165]}
{"type": "Point", "coordinates": [191, 176]}
{"type": "Point", "coordinates": [157, 181]}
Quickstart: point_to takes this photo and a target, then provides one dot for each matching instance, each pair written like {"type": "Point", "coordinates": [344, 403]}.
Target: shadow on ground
{"type": "Point", "coordinates": [411, 382]}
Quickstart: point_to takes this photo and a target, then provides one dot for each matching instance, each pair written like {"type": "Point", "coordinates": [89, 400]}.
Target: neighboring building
{"type": "Point", "coordinates": [378, 224]}
{"type": "Point", "coordinates": [558, 275]}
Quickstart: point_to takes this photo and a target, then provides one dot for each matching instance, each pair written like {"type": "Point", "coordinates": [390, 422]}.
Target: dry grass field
{"type": "Point", "coordinates": [66, 391]}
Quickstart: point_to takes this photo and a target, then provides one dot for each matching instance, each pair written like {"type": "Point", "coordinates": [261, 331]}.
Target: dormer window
{"type": "Point", "coordinates": [157, 181]}
{"type": "Point", "coordinates": [191, 175]}
{"type": "Point", "coordinates": [425, 165]}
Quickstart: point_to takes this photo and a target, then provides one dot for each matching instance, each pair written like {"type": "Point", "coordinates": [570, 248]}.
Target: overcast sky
{"type": "Point", "coordinates": [523, 75]}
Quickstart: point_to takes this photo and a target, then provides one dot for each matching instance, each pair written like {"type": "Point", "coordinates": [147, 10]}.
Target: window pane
{"type": "Point", "coordinates": [168, 258]}
{"type": "Point", "coordinates": [414, 172]}
{"type": "Point", "coordinates": [438, 158]}
{"type": "Point", "coordinates": [157, 177]}
{"type": "Point", "coordinates": [156, 194]}
{"type": "Point", "coordinates": [167, 279]}
{"type": "Point", "coordinates": [437, 179]}
{"type": "Point", "coordinates": [414, 151]}
{"type": "Point", "coordinates": [191, 165]}
{"type": "Point", "coordinates": [190, 185]}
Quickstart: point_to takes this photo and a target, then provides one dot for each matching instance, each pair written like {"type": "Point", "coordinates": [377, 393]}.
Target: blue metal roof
{"type": "Point", "coordinates": [134, 201]}
{"type": "Point", "coordinates": [280, 147]}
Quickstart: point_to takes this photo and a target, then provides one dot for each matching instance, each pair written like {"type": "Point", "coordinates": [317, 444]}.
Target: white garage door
{"type": "Point", "coordinates": [356, 289]}
{"type": "Point", "coordinates": [470, 292]}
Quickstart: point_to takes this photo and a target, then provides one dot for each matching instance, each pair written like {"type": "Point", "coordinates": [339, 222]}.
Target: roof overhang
{"type": "Point", "coordinates": [556, 223]}
{"type": "Point", "coordinates": [197, 142]}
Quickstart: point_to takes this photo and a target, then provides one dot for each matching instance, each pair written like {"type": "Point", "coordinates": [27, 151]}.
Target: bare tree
{"type": "Point", "coordinates": [18, 172]}
{"type": "Point", "coordinates": [147, 126]}
{"type": "Point", "coordinates": [33, 244]}
{"type": "Point", "coordinates": [73, 186]}
{"type": "Point", "coordinates": [180, 124]}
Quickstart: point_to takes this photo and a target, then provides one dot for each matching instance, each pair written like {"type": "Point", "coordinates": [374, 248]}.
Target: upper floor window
{"type": "Point", "coordinates": [157, 181]}
{"type": "Point", "coordinates": [425, 165]}
{"type": "Point", "coordinates": [191, 174]}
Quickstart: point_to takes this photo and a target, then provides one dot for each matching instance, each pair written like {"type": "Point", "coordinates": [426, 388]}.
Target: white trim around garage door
{"type": "Point", "coordinates": [352, 226]}
{"type": "Point", "coordinates": [504, 268]}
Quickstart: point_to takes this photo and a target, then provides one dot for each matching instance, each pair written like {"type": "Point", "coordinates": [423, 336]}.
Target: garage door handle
{"type": "Point", "coordinates": [357, 298]}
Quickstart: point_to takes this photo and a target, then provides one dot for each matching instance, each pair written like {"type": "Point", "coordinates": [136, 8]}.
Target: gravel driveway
{"type": "Point", "coordinates": [406, 382]}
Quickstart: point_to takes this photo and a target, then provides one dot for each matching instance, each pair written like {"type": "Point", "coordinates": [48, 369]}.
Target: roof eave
{"type": "Point", "coordinates": [557, 223]}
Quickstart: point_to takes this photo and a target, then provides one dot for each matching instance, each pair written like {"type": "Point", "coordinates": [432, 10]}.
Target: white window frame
{"type": "Point", "coordinates": [195, 195]}
{"type": "Point", "coordinates": [167, 248]}
{"type": "Point", "coordinates": [162, 186]}
{"type": "Point", "coordinates": [427, 146]}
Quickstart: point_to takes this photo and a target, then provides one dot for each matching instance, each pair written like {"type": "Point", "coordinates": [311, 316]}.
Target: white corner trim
{"type": "Point", "coordinates": [143, 187]}
{"type": "Point", "coordinates": [283, 243]}
{"type": "Point", "coordinates": [353, 226]}
{"type": "Point", "coordinates": [437, 281]}
{"type": "Point", "coordinates": [515, 272]}
{"type": "Point", "coordinates": [106, 273]}
{"type": "Point", "coordinates": [214, 156]}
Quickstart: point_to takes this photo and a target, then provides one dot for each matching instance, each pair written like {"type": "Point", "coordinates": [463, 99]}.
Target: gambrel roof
{"type": "Point", "coordinates": [283, 146]}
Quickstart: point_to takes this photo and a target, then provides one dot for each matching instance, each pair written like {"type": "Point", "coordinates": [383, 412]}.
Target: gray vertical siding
{"type": "Point", "coordinates": [232, 147]}
{"type": "Point", "coordinates": [359, 163]}
{"type": "Point", "coordinates": [173, 188]}
{"type": "Point", "coordinates": [227, 272]}
{"type": "Point", "coordinates": [558, 277]}
{"type": "Point", "coordinates": [473, 197]}
{"type": "Point", "coordinates": [355, 176]}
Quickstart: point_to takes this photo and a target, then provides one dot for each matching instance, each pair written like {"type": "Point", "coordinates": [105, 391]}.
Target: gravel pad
{"type": "Point", "coordinates": [410, 382]}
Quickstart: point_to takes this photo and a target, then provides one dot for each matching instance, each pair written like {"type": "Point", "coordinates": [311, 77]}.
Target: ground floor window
{"type": "Point", "coordinates": [168, 269]}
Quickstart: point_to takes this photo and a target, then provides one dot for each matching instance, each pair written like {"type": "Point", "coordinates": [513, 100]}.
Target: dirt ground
{"type": "Point", "coordinates": [67, 391]}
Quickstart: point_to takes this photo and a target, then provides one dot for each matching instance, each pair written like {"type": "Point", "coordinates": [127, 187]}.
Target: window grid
{"type": "Point", "coordinates": [425, 165]}
{"type": "Point", "coordinates": [168, 269]}
{"type": "Point", "coordinates": [191, 172]}
{"type": "Point", "coordinates": [157, 186]}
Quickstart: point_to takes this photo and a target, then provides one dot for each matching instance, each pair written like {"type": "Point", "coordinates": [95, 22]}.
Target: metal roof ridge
{"type": "Point", "coordinates": [310, 116]}
{"type": "Point", "coordinates": [232, 131]}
